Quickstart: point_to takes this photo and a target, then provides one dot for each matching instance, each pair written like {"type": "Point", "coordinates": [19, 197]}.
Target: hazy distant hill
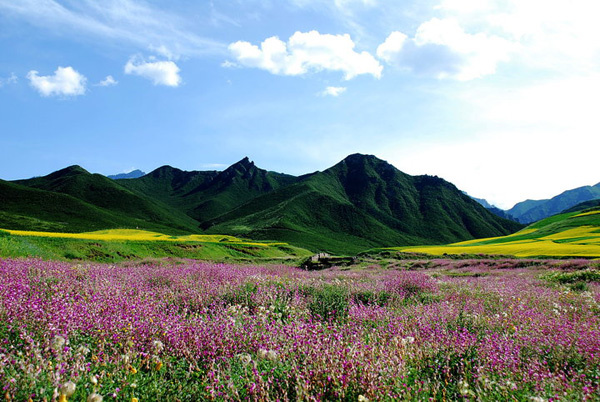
{"type": "Point", "coordinates": [534, 210]}
{"type": "Point", "coordinates": [493, 209]}
{"type": "Point", "coordinates": [359, 203]}
{"type": "Point", "coordinates": [131, 175]}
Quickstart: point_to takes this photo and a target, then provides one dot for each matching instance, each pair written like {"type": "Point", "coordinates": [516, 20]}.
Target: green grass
{"type": "Point", "coordinates": [118, 251]}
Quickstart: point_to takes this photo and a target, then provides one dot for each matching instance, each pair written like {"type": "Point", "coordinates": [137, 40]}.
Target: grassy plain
{"type": "Point", "coordinates": [130, 245]}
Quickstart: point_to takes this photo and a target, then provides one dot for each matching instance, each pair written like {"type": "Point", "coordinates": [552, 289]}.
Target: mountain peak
{"type": "Point", "coordinates": [241, 166]}
{"type": "Point", "coordinates": [73, 169]}
{"type": "Point", "coordinates": [360, 157]}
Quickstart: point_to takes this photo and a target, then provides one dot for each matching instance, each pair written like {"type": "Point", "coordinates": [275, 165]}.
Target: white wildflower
{"type": "Point", "coordinates": [57, 343]}
{"type": "Point", "coordinates": [68, 388]}
{"type": "Point", "coordinates": [158, 345]}
{"type": "Point", "coordinates": [272, 355]}
{"type": "Point", "coordinates": [245, 358]}
{"type": "Point", "coordinates": [94, 397]}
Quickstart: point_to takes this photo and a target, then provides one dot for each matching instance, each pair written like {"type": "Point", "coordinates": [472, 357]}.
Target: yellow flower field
{"type": "Point", "coordinates": [582, 241]}
{"type": "Point", "coordinates": [140, 235]}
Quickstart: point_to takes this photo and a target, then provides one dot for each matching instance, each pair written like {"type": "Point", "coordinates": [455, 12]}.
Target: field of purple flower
{"type": "Point", "coordinates": [441, 329]}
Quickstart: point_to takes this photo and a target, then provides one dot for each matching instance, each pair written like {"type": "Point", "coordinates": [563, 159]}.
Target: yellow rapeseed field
{"type": "Point", "coordinates": [583, 241]}
{"type": "Point", "coordinates": [140, 235]}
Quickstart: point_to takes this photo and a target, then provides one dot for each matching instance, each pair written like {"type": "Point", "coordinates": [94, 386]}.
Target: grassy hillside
{"type": "Point", "coordinates": [206, 195]}
{"type": "Point", "coordinates": [107, 194]}
{"type": "Point", "coordinates": [572, 234]}
{"type": "Point", "coordinates": [28, 208]}
{"type": "Point", "coordinates": [359, 203]}
{"type": "Point", "coordinates": [132, 245]}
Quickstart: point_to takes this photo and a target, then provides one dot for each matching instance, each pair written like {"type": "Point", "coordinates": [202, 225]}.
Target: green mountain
{"type": "Point", "coordinates": [362, 202]}
{"type": "Point", "coordinates": [206, 195]}
{"type": "Point", "coordinates": [535, 210]}
{"type": "Point", "coordinates": [24, 208]}
{"type": "Point", "coordinates": [126, 207]}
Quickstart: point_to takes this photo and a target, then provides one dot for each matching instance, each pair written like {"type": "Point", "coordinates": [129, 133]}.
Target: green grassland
{"type": "Point", "coordinates": [114, 246]}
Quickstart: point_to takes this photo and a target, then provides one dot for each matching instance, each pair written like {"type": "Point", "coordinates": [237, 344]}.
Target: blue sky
{"type": "Point", "coordinates": [497, 96]}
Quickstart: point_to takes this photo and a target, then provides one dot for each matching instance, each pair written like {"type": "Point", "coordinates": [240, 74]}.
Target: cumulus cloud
{"type": "Point", "coordinates": [333, 91]}
{"type": "Point", "coordinates": [12, 79]}
{"type": "Point", "coordinates": [305, 52]}
{"type": "Point", "coordinates": [109, 81]}
{"type": "Point", "coordinates": [66, 82]}
{"type": "Point", "coordinates": [159, 72]}
{"type": "Point", "coordinates": [443, 49]}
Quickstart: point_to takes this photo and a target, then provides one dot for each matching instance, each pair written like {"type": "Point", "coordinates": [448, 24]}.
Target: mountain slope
{"type": "Point", "coordinates": [104, 193]}
{"type": "Point", "coordinates": [206, 195]}
{"type": "Point", "coordinates": [362, 202]}
{"type": "Point", "coordinates": [534, 210]}
{"type": "Point", "coordinates": [28, 208]}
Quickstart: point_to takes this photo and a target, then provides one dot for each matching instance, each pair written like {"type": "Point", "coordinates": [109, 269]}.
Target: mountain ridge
{"type": "Point", "coordinates": [360, 202]}
{"type": "Point", "coordinates": [529, 211]}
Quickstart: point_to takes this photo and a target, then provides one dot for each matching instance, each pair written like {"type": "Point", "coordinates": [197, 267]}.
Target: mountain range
{"type": "Point", "coordinates": [361, 202]}
{"type": "Point", "coordinates": [534, 210]}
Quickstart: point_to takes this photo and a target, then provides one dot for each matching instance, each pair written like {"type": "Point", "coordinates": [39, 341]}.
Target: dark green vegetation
{"type": "Point", "coordinates": [74, 200]}
{"type": "Point", "coordinates": [360, 203]}
{"type": "Point", "coordinates": [115, 251]}
{"type": "Point", "coordinates": [533, 210]}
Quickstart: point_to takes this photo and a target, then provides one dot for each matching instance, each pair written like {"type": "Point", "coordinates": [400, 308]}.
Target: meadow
{"type": "Point", "coordinates": [118, 245]}
{"type": "Point", "coordinates": [501, 329]}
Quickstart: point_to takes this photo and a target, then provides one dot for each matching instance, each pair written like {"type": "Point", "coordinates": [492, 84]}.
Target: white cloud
{"type": "Point", "coordinates": [553, 35]}
{"type": "Point", "coordinates": [109, 81]}
{"type": "Point", "coordinates": [66, 81]}
{"type": "Point", "coordinates": [333, 91]}
{"type": "Point", "coordinates": [229, 64]}
{"type": "Point", "coordinates": [120, 21]}
{"type": "Point", "coordinates": [164, 51]}
{"type": "Point", "coordinates": [305, 52]}
{"type": "Point", "coordinates": [12, 79]}
{"type": "Point", "coordinates": [441, 48]}
{"type": "Point", "coordinates": [390, 49]}
{"type": "Point", "coordinates": [159, 72]}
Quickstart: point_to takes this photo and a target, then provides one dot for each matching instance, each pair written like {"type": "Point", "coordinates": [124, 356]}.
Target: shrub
{"type": "Point", "coordinates": [244, 296]}
{"type": "Point", "coordinates": [587, 275]}
{"type": "Point", "coordinates": [330, 302]}
{"type": "Point", "coordinates": [370, 297]}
